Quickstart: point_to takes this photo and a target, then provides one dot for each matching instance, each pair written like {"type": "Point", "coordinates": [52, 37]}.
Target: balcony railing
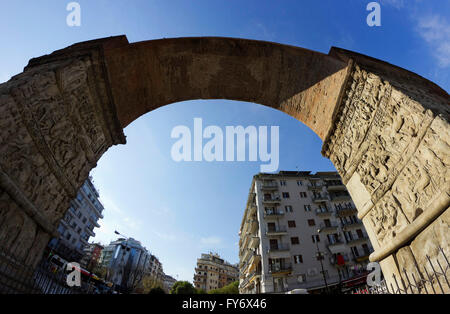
{"type": "Point", "coordinates": [353, 224]}
{"type": "Point", "coordinates": [276, 213]}
{"type": "Point", "coordinates": [315, 187]}
{"type": "Point", "coordinates": [323, 211]}
{"type": "Point", "coordinates": [361, 239]}
{"type": "Point", "coordinates": [346, 211]}
{"type": "Point", "coordinates": [281, 229]}
{"type": "Point", "coordinates": [269, 185]}
{"type": "Point", "coordinates": [273, 199]}
{"type": "Point", "coordinates": [340, 197]}
{"type": "Point", "coordinates": [335, 242]}
{"type": "Point", "coordinates": [320, 198]}
{"type": "Point", "coordinates": [280, 247]}
{"type": "Point", "coordinates": [276, 268]}
{"type": "Point", "coordinates": [327, 227]}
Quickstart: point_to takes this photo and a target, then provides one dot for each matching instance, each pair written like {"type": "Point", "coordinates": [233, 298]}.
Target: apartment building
{"type": "Point", "coordinates": [77, 226]}
{"type": "Point", "coordinates": [213, 272]}
{"type": "Point", "coordinates": [296, 224]}
{"type": "Point", "coordinates": [91, 256]}
{"type": "Point", "coordinates": [127, 262]}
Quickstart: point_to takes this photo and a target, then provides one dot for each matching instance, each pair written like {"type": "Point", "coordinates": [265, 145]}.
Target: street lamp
{"type": "Point", "coordinates": [320, 257]}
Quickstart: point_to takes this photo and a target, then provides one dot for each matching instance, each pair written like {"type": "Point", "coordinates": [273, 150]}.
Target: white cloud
{"type": "Point", "coordinates": [435, 30]}
{"type": "Point", "coordinates": [398, 4]}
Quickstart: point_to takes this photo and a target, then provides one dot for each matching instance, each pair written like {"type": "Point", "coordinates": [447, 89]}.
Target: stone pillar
{"type": "Point", "coordinates": [57, 119]}
{"type": "Point", "coordinates": [390, 144]}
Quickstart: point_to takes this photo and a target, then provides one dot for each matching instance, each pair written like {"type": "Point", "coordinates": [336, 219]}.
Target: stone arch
{"type": "Point", "coordinates": [384, 128]}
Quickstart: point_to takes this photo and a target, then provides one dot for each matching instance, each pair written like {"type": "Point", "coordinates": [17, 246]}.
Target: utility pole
{"type": "Point", "coordinates": [320, 257]}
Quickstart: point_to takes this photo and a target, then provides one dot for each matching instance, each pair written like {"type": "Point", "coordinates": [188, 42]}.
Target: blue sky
{"type": "Point", "coordinates": [179, 210]}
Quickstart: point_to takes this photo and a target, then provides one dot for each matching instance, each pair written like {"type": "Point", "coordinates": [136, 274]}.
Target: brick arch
{"type": "Point", "coordinates": [384, 128]}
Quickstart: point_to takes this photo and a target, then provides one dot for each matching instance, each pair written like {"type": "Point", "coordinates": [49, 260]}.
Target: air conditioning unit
{"type": "Point", "coordinates": [312, 272]}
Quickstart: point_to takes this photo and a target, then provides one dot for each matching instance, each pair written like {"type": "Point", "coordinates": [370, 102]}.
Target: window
{"type": "Point", "coordinates": [307, 208]}
{"type": "Point", "coordinates": [282, 182]}
{"type": "Point", "coordinates": [366, 249]}
{"type": "Point", "coordinates": [303, 195]}
{"type": "Point", "coordinates": [84, 220]}
{"type": "Point", "coordinates": [295, 240]}
{"type": "Point", "coordinates": [285, 194]}
{"type": "Point", "coordinates": [315, 238]}
{"type": "Point", "coordinates": [79, 230]}
{"type": "Point", "coordinates": [355, 251]}
{"type": "Point", "coordinates": [291, 223]}
{"type": "Point", "coordinates": [298, 259]}
{"type": "Point", "coordinates": [288, 208]}
{"type": "Point", "coordinates": [301, 278]}
{"type": "Point", "coordinates": [360, 234]}
{"type": "Point", "coordinates": [299, 182]}
{"type": "Point", "coordinates": [311, 222]}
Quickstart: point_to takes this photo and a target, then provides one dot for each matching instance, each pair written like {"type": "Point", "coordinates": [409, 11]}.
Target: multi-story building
{"type": "Point", "coordinates": [168, 281]}
{"type": "Point", "coordinates": [156, 268]}
{"type": "Point", "coordinates": [294, 224]}
{"type": "Point", "coordinates": [91, 257]}
{"type": "Point", "coordinates": [127, 262]}
{"type": "Point", "coordinates": [213, 272]}
{"type": "Point", "coordinates": [78, 224]}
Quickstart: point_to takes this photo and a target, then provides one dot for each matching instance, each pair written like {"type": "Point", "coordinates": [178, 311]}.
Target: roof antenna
{"type": "Point", "coordinates": [298, 171]}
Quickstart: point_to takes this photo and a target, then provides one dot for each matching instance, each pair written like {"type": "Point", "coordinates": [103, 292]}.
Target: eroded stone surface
{"type": "Point", "coordinates": [385, 129]}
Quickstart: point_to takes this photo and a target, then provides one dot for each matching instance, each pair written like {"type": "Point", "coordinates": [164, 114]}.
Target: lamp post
{"type": "Point", "coordinates": [126, 247]}
{"type": "Point", "coordinates": [320, 257]}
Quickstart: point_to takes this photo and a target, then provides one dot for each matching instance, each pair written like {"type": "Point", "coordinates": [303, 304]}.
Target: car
{"type": "Point", "coordinates": [298, 291]}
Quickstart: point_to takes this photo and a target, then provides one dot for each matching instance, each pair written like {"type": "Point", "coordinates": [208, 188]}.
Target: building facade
{"type": "Point", "coordinates": [91, 257]}
{"type": "Point", "coordinates": [300, 231]}
{"type": "Point", "coordinates": [78, 224]}
{"type": "Point", "coordinates": [213, 272]}
{"type": "Point", "coordinates": [127, 262]}
{"type": "Point", "coordinates": [169, 281]}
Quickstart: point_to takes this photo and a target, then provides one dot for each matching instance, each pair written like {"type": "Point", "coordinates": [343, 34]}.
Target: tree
{"type": "Point", "coordinates": [183, 287]}
{"type": "Point", "coordinates": [232, 288]}
{"type": "Point", "coordinates": [147, 283]}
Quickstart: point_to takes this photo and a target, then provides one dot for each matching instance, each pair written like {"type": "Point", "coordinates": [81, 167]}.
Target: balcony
{"type": "Point", "coordinates": [346, 211]}
{"type": "Point", "coordinates": [316, 187]}
{"type": "Point", "coordinates": [254, 242]}
{"type": "Point", "coordinates": [336, 246]}
{"type": "Point", "coordinates": [90, 232]}
{"type": "Point", "coordinates": [94, 221]}
{"type": "Point", "coordinates": [334, 186]}
{"type": "Point", "coordinates": [276, 269]}
{"type": "Point", "coordinates": [320, 198]}
{"type": "Point", "coordinates": [252, 226]}
{"type": "Point", "coordinates": [273, 213]}
{"type": "Point", "coordinates": [252, 263]}
{"type": "Point", "coordinates": [328, 228]}
{"type": "Point", "coordinates": [361, 258]}
{"type": "Point", "coordinates": [270, 186]}
{"type": "Point", "coordinates": [324, 212]}
{"type": "Point", "coordinates": [340, 197]}
{"type": "Point", "coordinates": [276, 231]}
{"type": "Point", "coordinates": [272, 200]}
{"type": "Point", "coordinates": [280, 251]}
{"type": "Point", "coordinates": [350, 225]}
{"type": "Point", "coordinates": [334, 260]}
{"type": "Point", "coordinates": [359, 240]}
